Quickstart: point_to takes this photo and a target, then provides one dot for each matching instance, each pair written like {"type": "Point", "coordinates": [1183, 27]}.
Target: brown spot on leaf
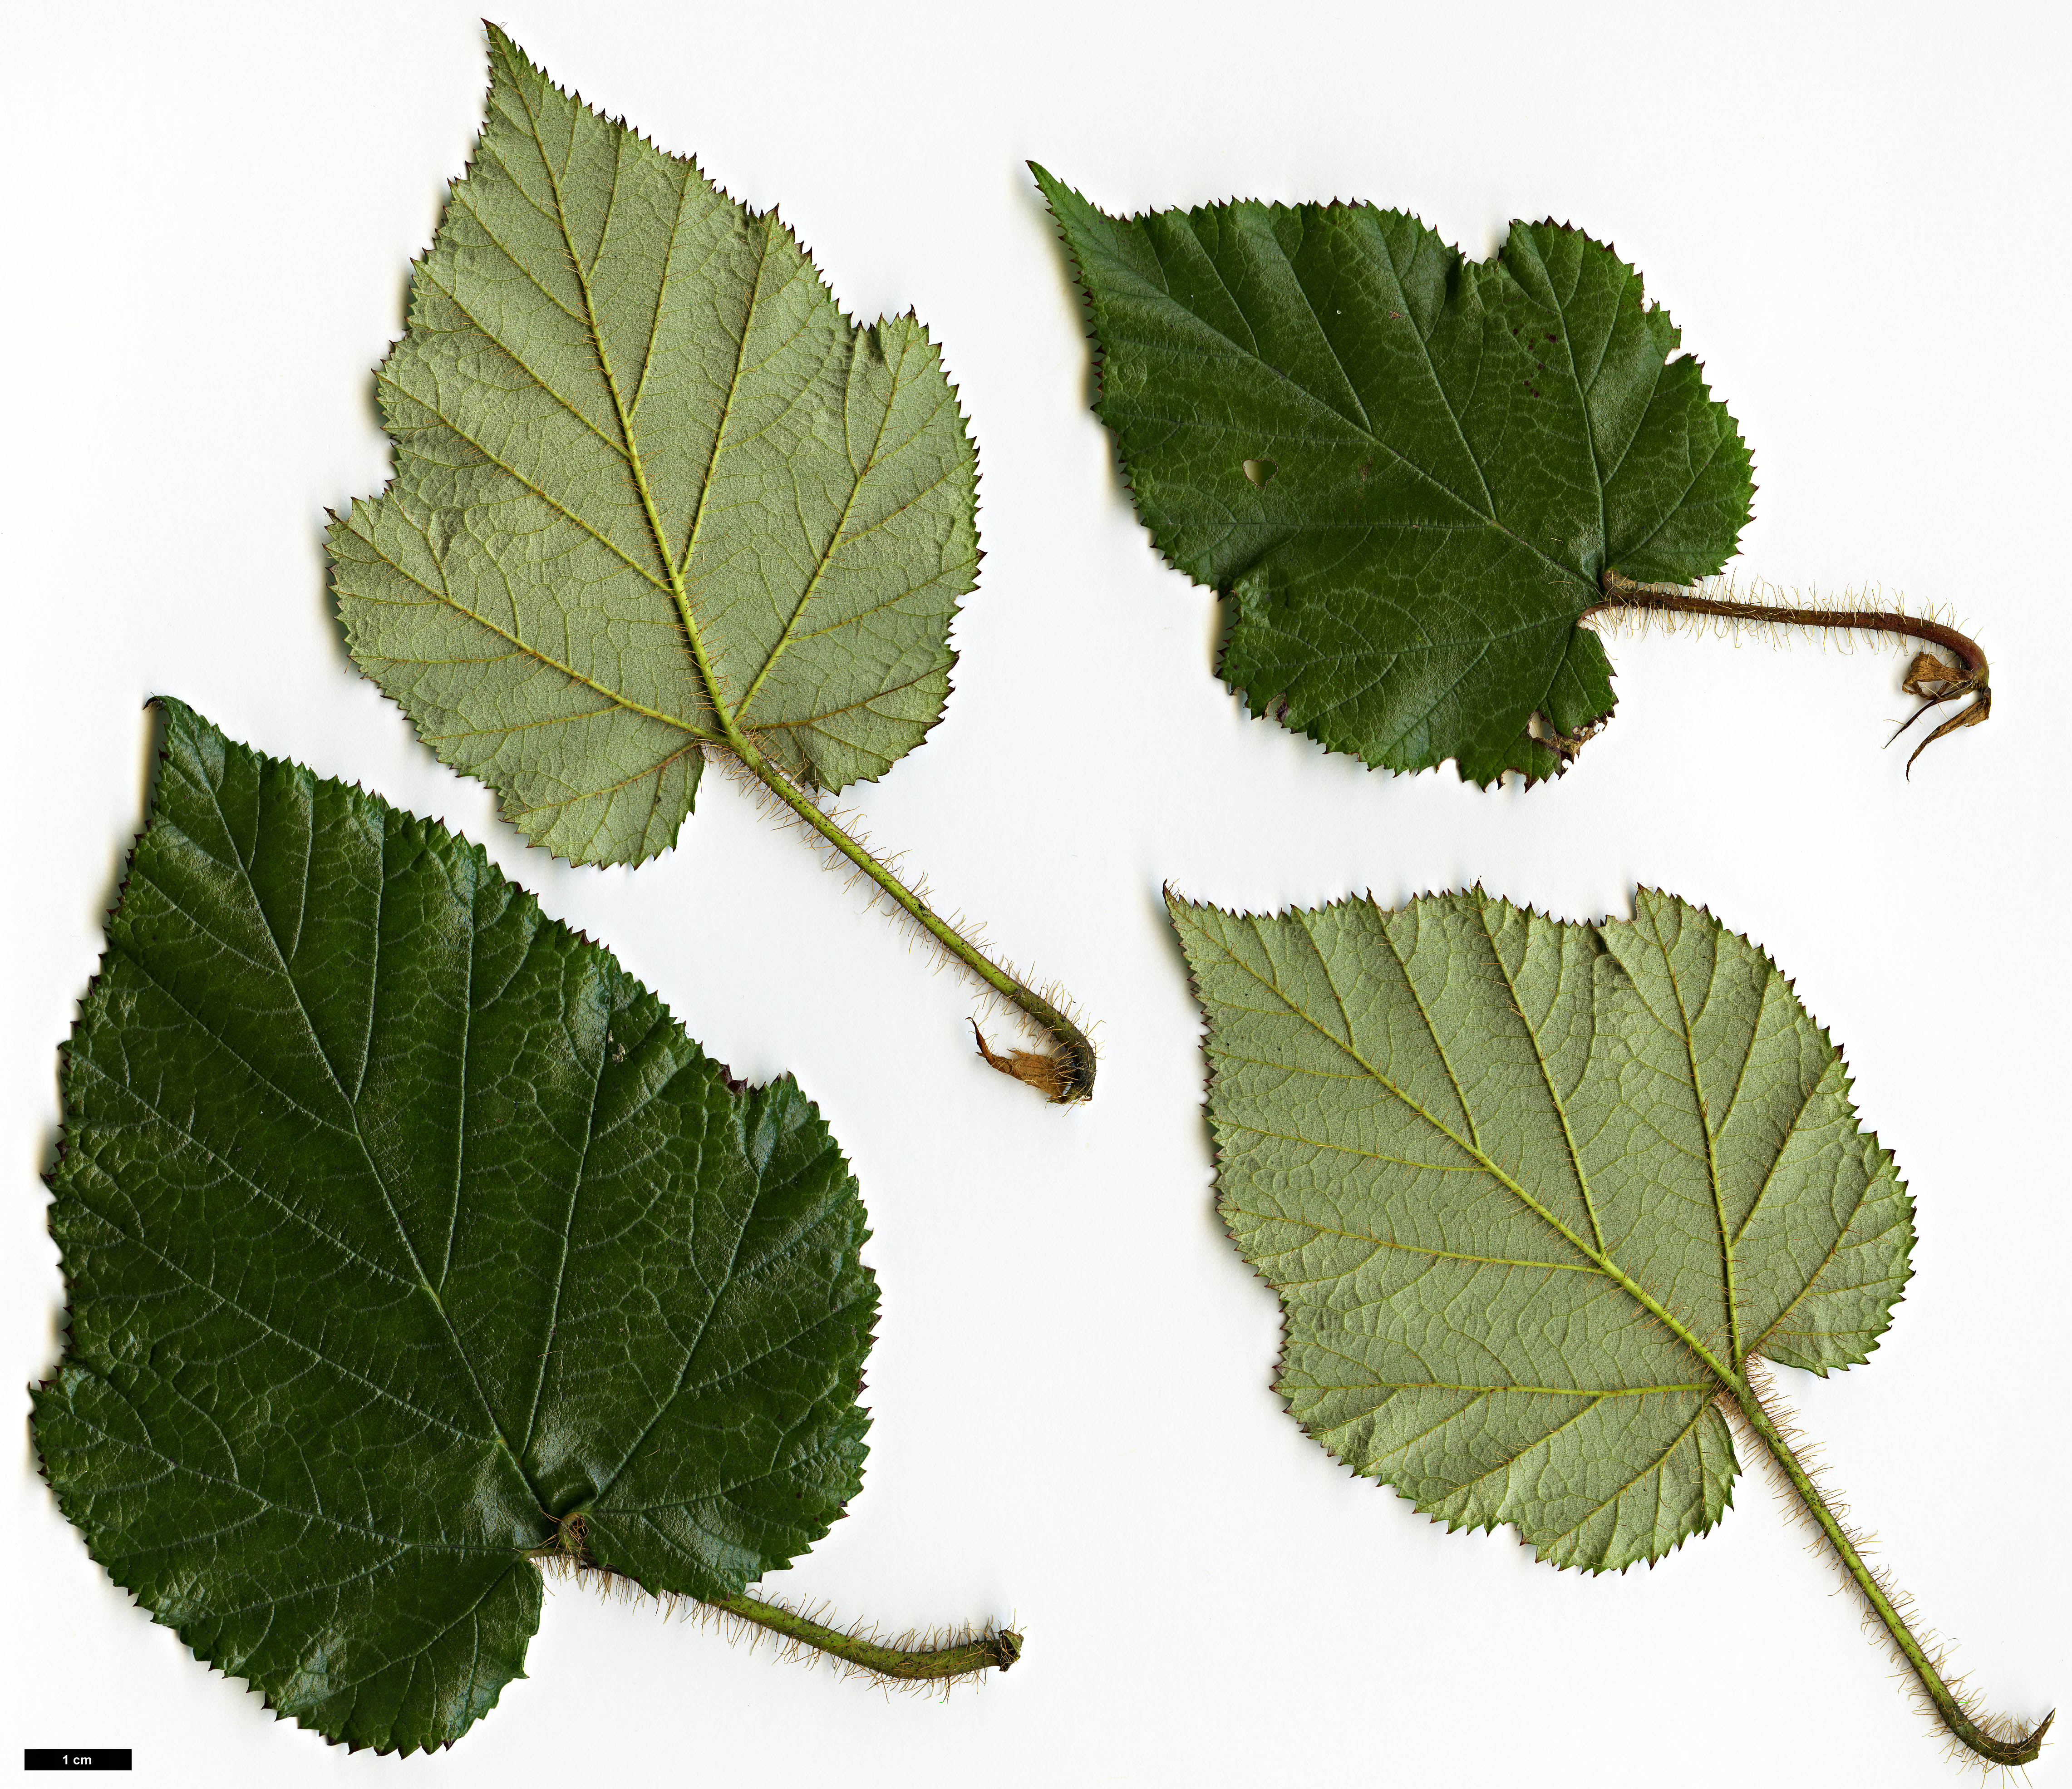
{"type": "Point", "coordinates": [1541, 731]}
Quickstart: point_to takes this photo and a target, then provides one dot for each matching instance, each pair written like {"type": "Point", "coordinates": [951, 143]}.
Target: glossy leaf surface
{"type": "Point", "coordinates": [407, 1235]}
{"type": "Point", "coordinates": [1407, 471]}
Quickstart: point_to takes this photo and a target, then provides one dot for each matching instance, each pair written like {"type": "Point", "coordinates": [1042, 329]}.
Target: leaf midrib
{"type": "Point", "coordinates": [730, 727]}
{"type": "Point", "coordinates": [1362, 430]}
{"type": "Point", "coordinates": [423, 1285]}
{"type": "Point", "coordinates": [1686, 1036]}
{"type": "Point", "coordinates": [1488, 520]}
{"type": "Point", "coordinates": [568, 1232]}
{"type": "Point", "coordinates": [707, 676]}
{"type": "Point", "coordinates": [351, 1106]}
{"type": "Point", "coordinates": [1546, 1075]}
{"type": "Point", "coordinates": [1727, 1380]}
{"type": "Point", "coordinates": [1570, 572]}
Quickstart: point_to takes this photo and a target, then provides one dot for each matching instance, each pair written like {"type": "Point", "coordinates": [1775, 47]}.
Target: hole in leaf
{"type": "Point", "coordinates": [1259, 470]}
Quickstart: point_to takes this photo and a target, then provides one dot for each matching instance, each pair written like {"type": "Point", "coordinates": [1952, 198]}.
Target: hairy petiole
{"type": "Point", "coordinates": [960, 1655]}
{"type": "Point", "coordinates": [1935, 681]}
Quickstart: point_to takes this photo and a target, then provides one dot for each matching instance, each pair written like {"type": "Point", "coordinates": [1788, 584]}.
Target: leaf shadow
{"type": "Point", "coordinates": [1030, 198]}
{"type": "Point", "coordinates": [105, 901]}
{"type": "Point", "coordinates": [370, 398]}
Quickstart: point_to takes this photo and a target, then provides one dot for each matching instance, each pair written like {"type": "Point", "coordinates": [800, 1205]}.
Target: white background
{"type": "Point", "coordinates": [1858, 215]}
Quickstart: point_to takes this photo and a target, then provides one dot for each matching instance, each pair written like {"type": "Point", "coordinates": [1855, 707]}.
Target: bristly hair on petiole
{"type": "Point", "coordinates": [922, 1661]}
{"type": "Point", "coordinates": [1062, 1075]}
{"type": "Point", "coordinates": [1768, 609]}
{"type": "Point", "coordinates": [2001, 1727]}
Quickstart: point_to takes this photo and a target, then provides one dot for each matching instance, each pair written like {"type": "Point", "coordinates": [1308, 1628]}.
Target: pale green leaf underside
{"type": "Point", "coordinates": [1528, 1190]}
{"type": "Point", "coordinates": [632, 424]}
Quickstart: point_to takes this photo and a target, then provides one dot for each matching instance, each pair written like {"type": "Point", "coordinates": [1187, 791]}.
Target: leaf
{"type": "Point", "coordinates": [651, 485]}
{"type": "Point", "coordinates": [1410, 473]}
{"type": "Point", "coordinates": [407, 1237]}
{"type": "Point", "coordinates": [1538, 1199]}
{"type": "Point", "coordinates": [1466, 1144]}
{"type": "Point", "coordinates": [657, 496]}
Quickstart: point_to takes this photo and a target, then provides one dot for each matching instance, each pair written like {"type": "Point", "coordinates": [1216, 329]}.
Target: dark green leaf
{"type": "Point", "coordinates": [407, 1235]}
{"type": "Point", "coordinates": [1408, 471]}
